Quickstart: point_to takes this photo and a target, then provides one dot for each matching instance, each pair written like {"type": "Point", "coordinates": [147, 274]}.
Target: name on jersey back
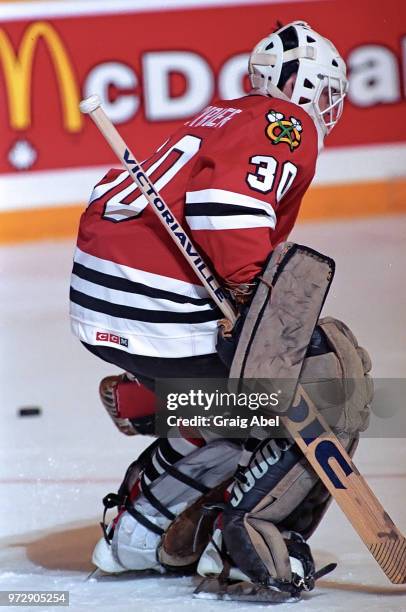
{"type": "Point", "coordinates": [214, 116]}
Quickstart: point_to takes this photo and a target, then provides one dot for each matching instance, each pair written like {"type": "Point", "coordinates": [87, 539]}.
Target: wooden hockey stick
{"type": "Point", "coordinates": [310, 431]}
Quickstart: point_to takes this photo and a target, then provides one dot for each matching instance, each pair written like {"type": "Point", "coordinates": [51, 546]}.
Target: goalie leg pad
{"type": "Point", "coordinates": [251, 537]}
{"type": "Point", "coordinates": [278, 493]}
{"type": "Point", "coordinates": [306, 517]}
{"type": "Point", "coordinates": [139, 528]}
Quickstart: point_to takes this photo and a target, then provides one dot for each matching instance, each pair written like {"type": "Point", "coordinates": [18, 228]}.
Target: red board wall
{"type": "Point", "coordinates": [215, 35]}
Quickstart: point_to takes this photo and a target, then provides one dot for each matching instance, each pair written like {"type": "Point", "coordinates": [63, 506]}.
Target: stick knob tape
{"type": "Point", "coordinates": [90, 104]}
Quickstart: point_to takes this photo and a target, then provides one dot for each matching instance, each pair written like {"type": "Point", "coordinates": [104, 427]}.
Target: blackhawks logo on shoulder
{"type": "Point", "coordinates": [281, 129]}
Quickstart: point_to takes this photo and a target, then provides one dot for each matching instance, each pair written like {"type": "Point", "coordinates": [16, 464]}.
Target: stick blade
{"type": "Point", "coordinates": [391, 556]}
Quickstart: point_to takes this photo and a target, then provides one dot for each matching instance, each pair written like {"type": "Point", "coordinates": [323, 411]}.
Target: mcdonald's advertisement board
{"type": "Point", "coordinates": [154, 69]}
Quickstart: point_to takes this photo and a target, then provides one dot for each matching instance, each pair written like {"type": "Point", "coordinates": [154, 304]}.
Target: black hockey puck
{"type": "Point", "coordinates": [29, 411]}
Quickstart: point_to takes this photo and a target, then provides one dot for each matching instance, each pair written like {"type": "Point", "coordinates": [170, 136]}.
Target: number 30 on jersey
{"type": "Point", "coordinates": [263, 179]}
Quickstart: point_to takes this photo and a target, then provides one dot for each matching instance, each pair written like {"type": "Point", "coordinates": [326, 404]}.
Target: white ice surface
{"type": "Point", "coordinates": [54, 469]}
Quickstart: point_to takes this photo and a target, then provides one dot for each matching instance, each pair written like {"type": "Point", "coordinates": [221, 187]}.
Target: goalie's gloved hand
{"type": "Point", "coordinates": [227, 340]}
{"type": "Point", "coordinates": [130, 404]}
{"type": "Point", "coordinates": [318, 344]}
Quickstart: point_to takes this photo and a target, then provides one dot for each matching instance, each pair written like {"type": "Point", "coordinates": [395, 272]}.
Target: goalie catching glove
{"type": "Point", "coordinates": [130, 405]}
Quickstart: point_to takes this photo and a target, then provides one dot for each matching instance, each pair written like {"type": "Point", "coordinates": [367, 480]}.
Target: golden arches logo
{"type": "Point", "coordinates": [285, 130]}
{"type": "Point", "coordinates": [18, 69]}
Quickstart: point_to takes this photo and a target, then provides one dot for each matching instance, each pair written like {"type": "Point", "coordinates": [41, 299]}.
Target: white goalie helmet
{"type": "Point", "coordinates": [320, 70]}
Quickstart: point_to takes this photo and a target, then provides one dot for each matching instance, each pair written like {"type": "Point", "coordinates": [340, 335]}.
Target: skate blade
{"type": "Point", "coordinates": [94, 575]}
{"type": "Point", "coordinates": [211, 588]}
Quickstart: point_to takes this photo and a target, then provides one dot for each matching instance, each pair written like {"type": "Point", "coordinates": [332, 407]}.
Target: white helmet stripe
{"type": "Point", "coordinates": [299, 52]}
{"type": "Point", "coordinates": [263, 59]}
{"type": "Point", "coordinates": [270, 59]}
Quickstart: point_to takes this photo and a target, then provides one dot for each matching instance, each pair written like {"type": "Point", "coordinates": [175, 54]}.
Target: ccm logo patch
{"type": "Point", "coordinates": [106, 337]}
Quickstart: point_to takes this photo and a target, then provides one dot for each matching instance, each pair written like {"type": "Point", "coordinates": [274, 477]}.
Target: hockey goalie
{"type": "Point", "coordinates": [239, 512]}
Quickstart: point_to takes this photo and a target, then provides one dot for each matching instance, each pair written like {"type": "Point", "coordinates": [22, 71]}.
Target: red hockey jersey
{"type": "Point", "coordinates": [234, 176]}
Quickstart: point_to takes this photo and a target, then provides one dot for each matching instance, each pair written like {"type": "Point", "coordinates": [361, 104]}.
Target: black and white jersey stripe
{"type": "Point", "coordinates": [219, 209]}
{"type": "Point", "coordinates": [158, 315]}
